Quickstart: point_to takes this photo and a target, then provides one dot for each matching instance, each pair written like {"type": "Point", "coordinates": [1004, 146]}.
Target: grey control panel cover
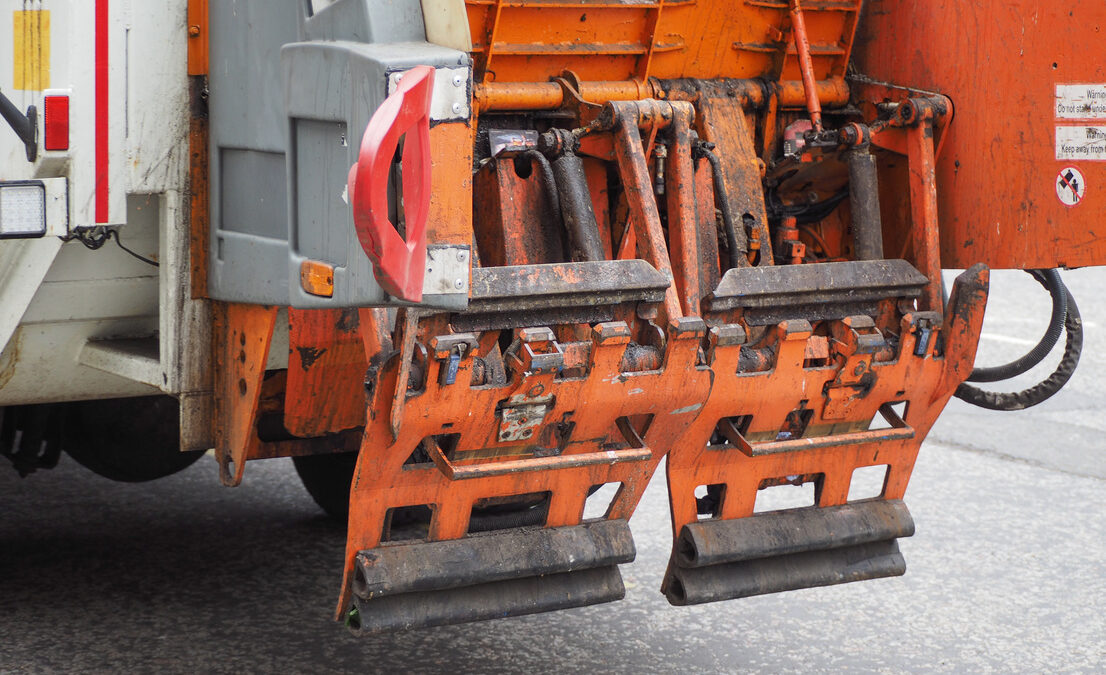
{"type": "Point", "coordinates": [292, 86]}
{"type": "Point", "coordinates": [331, 91]}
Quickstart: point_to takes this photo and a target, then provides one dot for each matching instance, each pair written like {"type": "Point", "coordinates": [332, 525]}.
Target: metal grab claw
{"type": "Point", "coordinates": [736, 553]}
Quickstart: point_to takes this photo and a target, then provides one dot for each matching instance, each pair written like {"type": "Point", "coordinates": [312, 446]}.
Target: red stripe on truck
{"type": "Point", "coordinates": [102, 111]}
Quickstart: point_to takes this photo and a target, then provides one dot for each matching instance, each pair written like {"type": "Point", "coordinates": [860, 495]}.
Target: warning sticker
{"type": "Point", "coordinates": [1070, 186]}
{"type": "Point", "coordinates": [1081, 101]}
{"type": "Point", "coordinates": [1082, 143]}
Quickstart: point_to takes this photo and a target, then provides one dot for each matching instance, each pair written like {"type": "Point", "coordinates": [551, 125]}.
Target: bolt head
{"type": "Point", "coordinates": [459, 284]}
{"type": "Point", "coordinates": [458, 80]}
{"type": "Point", "coordinates": [456, 108]}
{"type": "Point", "coordinates": [461, 255]}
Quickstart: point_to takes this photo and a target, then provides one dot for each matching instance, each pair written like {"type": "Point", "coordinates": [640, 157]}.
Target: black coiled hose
{"type": "Point", "coordinates": [1073, 347]}
{"type": "Point", "coordinates": [1051, 280]}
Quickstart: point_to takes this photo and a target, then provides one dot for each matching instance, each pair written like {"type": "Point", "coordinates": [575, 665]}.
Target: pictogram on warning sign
{"type": "Point", "coordinates": [1070, 186]}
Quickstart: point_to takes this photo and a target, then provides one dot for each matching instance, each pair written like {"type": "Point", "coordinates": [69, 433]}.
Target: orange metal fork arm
{"type": "Point", "coordinates": [683, 225]}
{"type": "Point", "coordinates": [644, 215]}
{"type": "Point", "coordinates": [923, 205]}
{"type": "Point", "coordinates": [912, 131]}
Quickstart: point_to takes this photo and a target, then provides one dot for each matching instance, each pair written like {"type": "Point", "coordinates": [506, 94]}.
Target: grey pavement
{"type": "Point", "coordinates": [1007, 571]}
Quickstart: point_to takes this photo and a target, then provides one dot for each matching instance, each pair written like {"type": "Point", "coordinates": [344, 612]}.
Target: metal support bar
{"type": "Point", "coordinates": [494, 96]}
{"type": "Point", "coordinates": [644, 214]}
{"type": "Point", "coordinates": [503, 468]}
{"type": "Point", "coordinates": [24, 126]}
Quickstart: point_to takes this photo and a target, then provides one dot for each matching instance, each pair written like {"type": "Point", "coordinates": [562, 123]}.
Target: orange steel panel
{"type": "Point", "coordinates": [326, 372]}
{"type": "Point", "coordinates": [507, 206]}
{"type": "Point", "coordinates": [722, 122]}
{"type": "Point", "coordinates": [997, 174]}
{"type": "Point", "coordinates": [534, 40]}
{"type": "Point", "coordinates": [450, 218]}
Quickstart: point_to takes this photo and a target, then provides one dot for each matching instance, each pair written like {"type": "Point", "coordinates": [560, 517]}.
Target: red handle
{"type": "Point", "coordinates": [397, 262]}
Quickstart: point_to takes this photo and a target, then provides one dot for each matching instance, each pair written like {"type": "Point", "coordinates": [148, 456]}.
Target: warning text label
{"type": "Point", "coordinates": [1081, 143]}
{"type": "Point", "coordinates": [1081, 101]}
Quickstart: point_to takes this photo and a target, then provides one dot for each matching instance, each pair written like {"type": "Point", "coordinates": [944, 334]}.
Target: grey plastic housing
{"type": "Point", "coordinates": [249, 140]}
{"type": "Point", "coordinates": [366, 21]}
{"type": "Point", "coordinates": [331, 91]}
{"type": "Point", "coordinates": [277, 176]}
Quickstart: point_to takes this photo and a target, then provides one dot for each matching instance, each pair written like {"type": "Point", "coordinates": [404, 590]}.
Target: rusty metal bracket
{"type": "Point", "coordinates": [242, 336]}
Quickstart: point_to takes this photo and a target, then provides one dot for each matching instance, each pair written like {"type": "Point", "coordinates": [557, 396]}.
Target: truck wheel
{"type": "Point", "coordinates": [132, 440]}
{"type": "Point", "coordinates": [328, 478]}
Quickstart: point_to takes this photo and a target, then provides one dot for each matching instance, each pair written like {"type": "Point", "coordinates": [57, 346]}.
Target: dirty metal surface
{"type": "Point", "coordinates": [711, 542]}
{"type": "Point", "coordinates": [508, 598]}
{"type": "Point", "coordinates": [810, 569]}
{"type": "Point", "coordinates": [242, 334]}
{"type": "Point", "coordinates": [326, 366]}
{"type": "Point", "coordinates": [549, 286]}
{"type": "Point", "coordinates": [407, 567]}
{"type": "Point", "coordinates": [828, 283]}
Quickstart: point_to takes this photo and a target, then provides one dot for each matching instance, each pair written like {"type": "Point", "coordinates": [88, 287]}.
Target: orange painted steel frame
{"type": "Point", "coordinates": [600, 446]}
{"type": "Point", "coordinates": [1000, 64]}
{"type": "Point", "coordinates": [924, 381]}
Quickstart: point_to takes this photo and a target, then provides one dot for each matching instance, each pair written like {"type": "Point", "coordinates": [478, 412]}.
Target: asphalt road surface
{"type": "Point", "coordinates": [1007, 571]}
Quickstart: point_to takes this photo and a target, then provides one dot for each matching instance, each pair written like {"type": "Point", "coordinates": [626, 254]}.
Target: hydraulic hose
{"type": "Point", "coordinates": [1051, 280]}
{"type": "Point", "coordinates": [1042, 391]}
{"type": "Point", "coordinates": [735, 241]}
{"type": "Point", "coordinates": [548, 180]}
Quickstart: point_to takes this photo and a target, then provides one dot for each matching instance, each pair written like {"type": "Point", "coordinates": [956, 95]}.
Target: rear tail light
{"type": "Point", "coordinates": [56, 122]}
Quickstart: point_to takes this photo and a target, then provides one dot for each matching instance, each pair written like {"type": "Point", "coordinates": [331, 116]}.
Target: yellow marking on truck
{"type": "Point", "coordinates": [31, 49]}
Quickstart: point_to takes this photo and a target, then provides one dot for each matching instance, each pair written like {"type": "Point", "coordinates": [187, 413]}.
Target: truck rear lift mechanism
{"type": "Point", "coordinates": [562, 377]}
